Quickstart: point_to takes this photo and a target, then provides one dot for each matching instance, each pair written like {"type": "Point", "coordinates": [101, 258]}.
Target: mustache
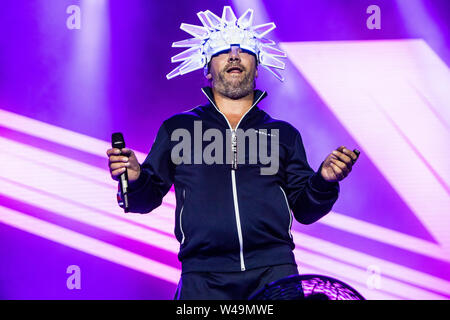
{"type": "Point", "coordinates": [233, 65]}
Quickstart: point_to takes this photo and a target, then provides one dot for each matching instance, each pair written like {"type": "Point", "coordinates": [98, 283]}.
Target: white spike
{"type": "Point", "coordinates": [263, 29]}
{"type": "Point", "coordinates": [193, 65]}
{"type": "Point", "coordinates": [275, 73]}
{"type": "Point", "coordinates": [270, 61]}
{"type": "Point", "coordinates": [246, 19]}
{"type": "Point", "coordinates": [228, 15]}
{"type": "Point", "coordinates": [202, 16]}
{"type": "Point", "coordinates": [196, 31]}
{"type": "Point", "coordinates": [266, 42]}
{"type": "Point", "coordinates": [273, 51]}
{"type": "Point", "coordinates": [192, 42]}
{"type": "Point", "coordinates": [214, 20]}
{"type": "Point", "coordinates": [187, 54]}
{"type": "Point", "coordinates": [176, 72]}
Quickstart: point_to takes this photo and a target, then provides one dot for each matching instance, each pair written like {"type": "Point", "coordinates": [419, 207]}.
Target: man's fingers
{"type": "Point", "coordinates": [121, 159]}
{"type": "Point", "coordinates": [345, 169]}
{"type": "Point", "coordinates": [127, 152]}
{"type": "Point", "coordinates": [116, 151]}
{"type": "Point", "coordinates": [112, 151]}
{"type": "Point", "coordinates": [341, 161]}
{"type": "Point", "coordinates": [113, 159]}
{"type": "Point", "coordinates": [118, 165]}
{"type": "Point", "coordinates": [337, 171]}
{"type": "Point", "coordinates": [349, 153]}
{"type": "Point", "coordinates": [117, 172]}
{"type": "Point", "coordinates": [342, 156]}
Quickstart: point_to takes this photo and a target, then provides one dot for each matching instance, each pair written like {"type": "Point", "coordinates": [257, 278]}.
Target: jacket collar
{"type": "Point", "coordinates": [258, 96]}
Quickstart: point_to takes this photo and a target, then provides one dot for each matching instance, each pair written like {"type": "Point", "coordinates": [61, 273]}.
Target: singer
{"type": "Point", "coordinates": [232, 221]}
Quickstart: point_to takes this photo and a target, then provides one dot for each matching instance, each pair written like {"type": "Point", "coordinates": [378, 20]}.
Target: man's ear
{"type": "Point", "coordinates": [207, 72]}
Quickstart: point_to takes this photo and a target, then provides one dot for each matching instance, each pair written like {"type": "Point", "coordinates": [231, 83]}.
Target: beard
{"type": "Point", "coordinates": [234, 87]}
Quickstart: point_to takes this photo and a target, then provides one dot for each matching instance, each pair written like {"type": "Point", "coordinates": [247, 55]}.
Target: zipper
{"type": "Point", "coordinates": [233, 131]}
{"type": "Point", "coordinates": [233, 175]}
{"type": "Point", "coordinates": [290, 212]}
{"type": "Point", "coordinates": [181, 215]}
{"type": "Point", "coordinates": [238, 220]}
{"type": "Point", "coordinates": [234, 150]}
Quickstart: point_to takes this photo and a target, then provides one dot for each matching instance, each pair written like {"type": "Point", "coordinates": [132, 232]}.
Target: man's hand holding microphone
{"type": "Point", "coordinates": [121, 160]}
{"type": "Point", "coordinates": [123, 166]}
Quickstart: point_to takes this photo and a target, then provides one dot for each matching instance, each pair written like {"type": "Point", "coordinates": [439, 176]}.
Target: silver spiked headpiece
{"type": "Point", "coordinates": [219, 34]}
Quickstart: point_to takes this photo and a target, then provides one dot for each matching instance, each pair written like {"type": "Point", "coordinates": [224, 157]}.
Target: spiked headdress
{"type": "Point", "coordinates": [219, 34]}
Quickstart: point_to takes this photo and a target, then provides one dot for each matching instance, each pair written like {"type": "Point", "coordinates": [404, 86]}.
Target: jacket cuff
{"type": "Point", "coordinates": [320, 184]}
{"type": "Point", "coordinates": [139, 183]}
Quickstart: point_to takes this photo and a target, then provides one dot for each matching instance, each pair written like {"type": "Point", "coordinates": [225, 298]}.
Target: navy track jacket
{"type": "Point", "coordinates": [230, 217]}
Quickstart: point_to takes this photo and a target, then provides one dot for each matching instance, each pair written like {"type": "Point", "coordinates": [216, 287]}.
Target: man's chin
{"type": "Point", "coordinates": [235, 87]}
{"type": "Point", "coordinates": [236, 80]}
{"type": "Point", "coordinates": [237, 92]}
{"type": "Point", "coordinates": [234, 84]}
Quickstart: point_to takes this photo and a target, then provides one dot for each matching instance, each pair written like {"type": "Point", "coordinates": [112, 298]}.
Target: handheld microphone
{"type": "Point", "coordinates": [117, 141]}
{"type": "Point", "coordinates": [357, 155]}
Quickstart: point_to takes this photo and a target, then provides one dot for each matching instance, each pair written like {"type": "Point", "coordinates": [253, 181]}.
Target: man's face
{"type": "Point", "coordinates": [233, 73]}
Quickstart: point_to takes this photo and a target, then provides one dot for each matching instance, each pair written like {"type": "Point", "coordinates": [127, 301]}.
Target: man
{"type": "Point", "coordinates": [233, 219]}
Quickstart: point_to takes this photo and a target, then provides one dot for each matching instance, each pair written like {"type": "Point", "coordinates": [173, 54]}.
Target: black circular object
{"type": "Point", "coordinates": [307, 287]}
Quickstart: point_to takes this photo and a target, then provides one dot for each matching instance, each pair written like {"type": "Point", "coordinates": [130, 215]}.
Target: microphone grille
{"type": "Point", "coordinates": [117, 140]}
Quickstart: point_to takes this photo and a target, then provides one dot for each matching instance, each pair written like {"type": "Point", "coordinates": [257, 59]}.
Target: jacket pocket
{"type": "Point", "coordinates": [289, 212]}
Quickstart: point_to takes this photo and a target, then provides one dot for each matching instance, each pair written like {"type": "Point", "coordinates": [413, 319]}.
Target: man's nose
{"type": "Point", "coordinates": [234, 53]}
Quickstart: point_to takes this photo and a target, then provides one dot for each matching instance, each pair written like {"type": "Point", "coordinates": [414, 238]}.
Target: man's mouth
{"type": "Point", "coordinates": [234, 70]}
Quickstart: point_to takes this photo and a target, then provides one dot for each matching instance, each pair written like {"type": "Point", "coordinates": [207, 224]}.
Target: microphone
{"type": "Point", "coordinates": [117, 141]}
{"type": "Point", "coordinates": [357, 155]}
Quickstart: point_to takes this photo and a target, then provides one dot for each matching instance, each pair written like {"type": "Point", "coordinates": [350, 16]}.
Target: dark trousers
{"type": "Point", "coordinates": [229, 285]}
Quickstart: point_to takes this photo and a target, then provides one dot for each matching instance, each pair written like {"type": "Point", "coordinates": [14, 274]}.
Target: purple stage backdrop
{"type": "Point", "coordinates": [367, 74]}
